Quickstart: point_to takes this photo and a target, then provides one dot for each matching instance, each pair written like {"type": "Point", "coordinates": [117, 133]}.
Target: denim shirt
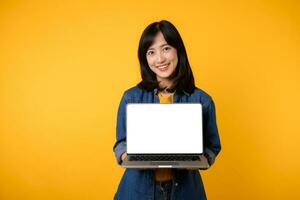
{"type": "Point", "coordinates": [139, 184]}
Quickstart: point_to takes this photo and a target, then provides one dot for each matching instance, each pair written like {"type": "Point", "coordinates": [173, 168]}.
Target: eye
{"type": "Point", "coordinates": [166, 49]}
{"type": "Point", "coordinates": [149, 53]}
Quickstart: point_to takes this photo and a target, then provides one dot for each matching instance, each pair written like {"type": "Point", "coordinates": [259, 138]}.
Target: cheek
{"type": "Point", "coordinates": [173, 56]}
{"type": "Point", "coordinates": [150, 62]}
{"type": "Point", "coordinates": [174, 59]}
{"type": "Point", "coordinates": [154, 70]}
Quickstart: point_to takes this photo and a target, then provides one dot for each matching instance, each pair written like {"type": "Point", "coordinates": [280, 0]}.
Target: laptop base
{"type": "Point", "coordinates": [199, 164]}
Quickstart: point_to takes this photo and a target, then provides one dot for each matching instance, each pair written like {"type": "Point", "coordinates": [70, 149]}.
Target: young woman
{"type": "Point", "coordinates": [166, 78]}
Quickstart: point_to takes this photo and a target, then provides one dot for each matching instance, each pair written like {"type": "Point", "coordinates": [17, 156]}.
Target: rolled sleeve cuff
{"type": "Point", "coordinates": [210, 156]}
{"type": "Point", "coordinates": [119, 150]}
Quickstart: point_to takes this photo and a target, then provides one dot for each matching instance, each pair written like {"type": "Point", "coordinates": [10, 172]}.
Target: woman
{"type": "Point", "coordinates": [166, 78]}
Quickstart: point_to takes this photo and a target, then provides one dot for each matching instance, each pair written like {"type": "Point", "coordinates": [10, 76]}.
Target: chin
{"type": "Point", "coordinates": [163, 76]}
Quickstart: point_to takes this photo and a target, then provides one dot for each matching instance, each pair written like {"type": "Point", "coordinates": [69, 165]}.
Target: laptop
{"type": "Point", "coordinates": [164, 136]}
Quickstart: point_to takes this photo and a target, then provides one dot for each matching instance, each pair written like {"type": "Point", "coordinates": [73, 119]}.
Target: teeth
{"type": "Point", "coordinates": [162, 67]}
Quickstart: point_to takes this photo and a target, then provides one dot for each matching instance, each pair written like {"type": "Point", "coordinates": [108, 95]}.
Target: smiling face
{"type": "Point", "coordinates": [162, 58]}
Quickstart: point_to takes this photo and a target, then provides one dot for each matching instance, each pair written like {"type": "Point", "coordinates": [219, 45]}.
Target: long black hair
{"type": "Point", "coordinates": [182, 78]}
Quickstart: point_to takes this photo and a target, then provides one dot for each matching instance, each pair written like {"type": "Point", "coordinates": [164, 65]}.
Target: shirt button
{"type": "Point", "coordinates": [176, 184]}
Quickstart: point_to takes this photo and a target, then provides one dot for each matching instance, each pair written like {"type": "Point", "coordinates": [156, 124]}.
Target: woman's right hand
{"type": "Point", "coordinates": [123, 156]}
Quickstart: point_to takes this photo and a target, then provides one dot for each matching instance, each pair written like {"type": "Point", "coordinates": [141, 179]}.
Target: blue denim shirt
{"type": "Point", "coordinates": [139, 184]}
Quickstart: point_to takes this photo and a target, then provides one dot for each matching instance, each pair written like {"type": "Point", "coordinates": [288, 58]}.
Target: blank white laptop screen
{"type": "Point", "coordinates": [164, 128]}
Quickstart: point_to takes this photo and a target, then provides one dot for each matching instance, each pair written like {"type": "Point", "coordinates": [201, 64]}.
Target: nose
{"type": "Point", "coordinates": [160, 57]}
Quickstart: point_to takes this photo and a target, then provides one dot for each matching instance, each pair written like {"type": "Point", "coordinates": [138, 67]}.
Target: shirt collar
{"type": "Point", "coordinates": [186, 93]}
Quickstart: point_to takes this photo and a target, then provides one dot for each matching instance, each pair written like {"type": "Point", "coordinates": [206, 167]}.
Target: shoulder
{"type": "Point", "coordinates": [132, 93]}
{"type": "Point", "coordinates": [133, 90]}
{"type": "Point", "coordinates": [201, 95]}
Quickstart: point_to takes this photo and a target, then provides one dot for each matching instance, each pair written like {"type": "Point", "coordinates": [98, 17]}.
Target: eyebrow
{"type": "Point", "coordinates": [160, 46]}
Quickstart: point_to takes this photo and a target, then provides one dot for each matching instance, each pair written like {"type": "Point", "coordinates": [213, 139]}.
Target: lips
{"type": "Point", "coordinates": [163, 67]}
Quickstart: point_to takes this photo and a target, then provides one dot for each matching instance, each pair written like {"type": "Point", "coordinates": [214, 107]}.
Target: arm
{"type": "Point", "coordinates": [212, 145]}
{"type": "Point", "coordinates": [120, 145]}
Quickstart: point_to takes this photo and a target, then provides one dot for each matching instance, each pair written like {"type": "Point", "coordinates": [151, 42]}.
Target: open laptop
{"type": "Point", "coordinates": [164, 136]}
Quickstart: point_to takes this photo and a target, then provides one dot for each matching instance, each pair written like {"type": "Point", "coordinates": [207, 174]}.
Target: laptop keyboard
{"type": "Point", "coordinates": [163, 158]}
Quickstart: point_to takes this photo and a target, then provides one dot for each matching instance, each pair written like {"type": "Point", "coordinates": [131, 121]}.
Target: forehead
{"type": "Point", "coordinates": [158, 41]}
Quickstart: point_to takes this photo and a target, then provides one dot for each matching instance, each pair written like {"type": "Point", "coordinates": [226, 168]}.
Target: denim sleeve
{"type": "Point", "coordinates": [212, 145]}
{"type": "Point", "coordinates": [120, 146]}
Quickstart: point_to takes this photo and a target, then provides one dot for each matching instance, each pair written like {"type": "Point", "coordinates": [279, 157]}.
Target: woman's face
{"type": "Point", "coordinates": [162, 58]}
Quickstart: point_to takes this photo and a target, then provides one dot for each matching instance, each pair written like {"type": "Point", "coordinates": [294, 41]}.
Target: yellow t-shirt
{"type": "Point", "coordinates": [164, 174]}
{"type": "Point", "coordinates": [165, 99]}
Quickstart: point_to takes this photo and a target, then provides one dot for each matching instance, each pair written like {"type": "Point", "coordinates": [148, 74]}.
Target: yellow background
{"type": "Point", "coordinates": [65, 64]}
